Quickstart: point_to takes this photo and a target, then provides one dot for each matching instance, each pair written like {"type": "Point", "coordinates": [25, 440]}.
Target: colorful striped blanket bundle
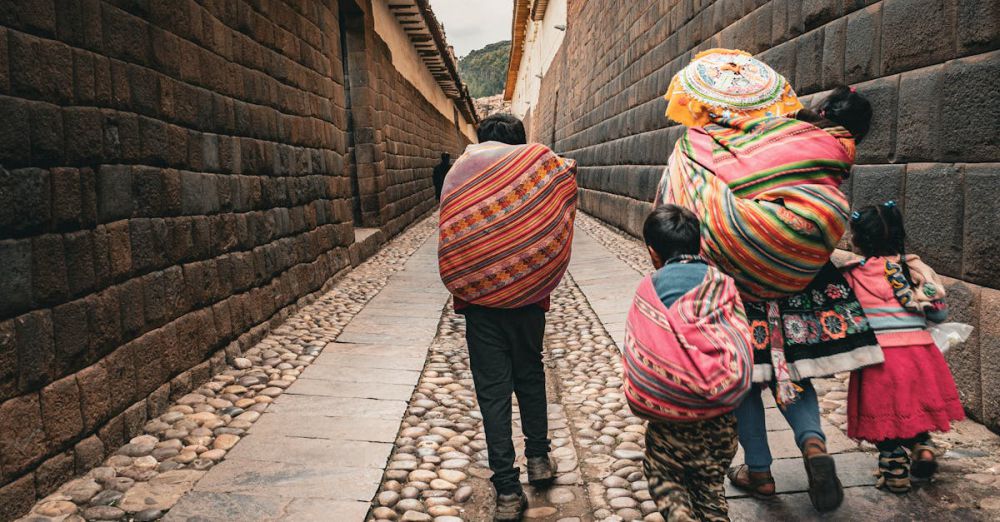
{"type": "Point", "coordinates": [506, 224]}
{"type": "Point", "coordinates": [691, 361]}
{"type": "Point", "coordinates": [767, 193]}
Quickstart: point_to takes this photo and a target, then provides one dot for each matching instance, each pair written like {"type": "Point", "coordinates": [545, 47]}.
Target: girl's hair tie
{"type": "Point", "coordinates": [853, 90]}
{"type": "Point", "coordinates": [855, 215]}
{"type": "Point", "coordinates": [889, 204]}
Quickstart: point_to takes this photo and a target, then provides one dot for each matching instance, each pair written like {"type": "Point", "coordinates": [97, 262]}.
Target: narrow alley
{"type": "Point", "coordinates": [361, 407]}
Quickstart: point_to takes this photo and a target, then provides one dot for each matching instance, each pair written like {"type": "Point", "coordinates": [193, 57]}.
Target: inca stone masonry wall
{"type": "Point", "coordinates": [176, 175]}
{"type": "Point", "coordinates": [928, 66]}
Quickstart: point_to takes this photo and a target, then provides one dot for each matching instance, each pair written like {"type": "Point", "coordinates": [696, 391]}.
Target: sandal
{"type": "Point", "coordinates": [894, 471]}
{"type": "Point", "coordinates": [741, 477]}
{"type": "Point", "coordinates": [825, 490]}
{"type": "Point", "coordinates": [924, 464]}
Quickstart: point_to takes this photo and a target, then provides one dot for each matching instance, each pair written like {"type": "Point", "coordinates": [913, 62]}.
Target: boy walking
{"type": "Point", "coordinates": [687, 366]}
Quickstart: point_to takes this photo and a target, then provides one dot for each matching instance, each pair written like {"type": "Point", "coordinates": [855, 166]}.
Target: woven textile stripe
{"type": "Point", "coordinates": [766, 191]}
{"type": "Point", "coordinates": [506, 224]}
{"type": "Point", "coordinates": [691, 361]}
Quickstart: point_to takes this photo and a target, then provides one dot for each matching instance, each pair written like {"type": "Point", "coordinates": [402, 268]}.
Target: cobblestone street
{"type": "Point", "coordinates": [361, 407]}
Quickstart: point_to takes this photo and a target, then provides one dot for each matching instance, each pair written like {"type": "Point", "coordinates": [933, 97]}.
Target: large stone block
{"type": "Point", "coordinates": [982, 224]}
{"type": "Point", "coordinates": [119, 249]}
{"type": "Point", "coordinates": [114, 192]}
{"type": "Point", "coordinates": [919, 117]}
{"type": "Point", "coordinates": [84, 135]}
{"type": "Point", "coordinates": [15, 281]}
{"type": "Point", "coordinates": [964, 360]}
{"type": "Point", "coordinates": [53, 472]}
{"type": "Point", "coordinates": [834, 43]}
{"type": "Point", "coordinates": [17, 497]}
{"type": "Point", "coordinates": [934, 217]}
{"type": "Point", "coordinates": [809, 62]}
{"type": "Point", "coordinates": [25, 200]}
{"type": "Point", "coordinates": [44, 68]}
{"type": "Point", "coordinates": [876, 184]}
{"type": "Point", "coordinates": [49, 283]}
{"type": "Point", "coordinates": [15, 133]}
{"type": "Point", "coordinates": [47, 134]}
{"type": "Point", "coordinates": [972, 122]}
{"type": "Point", "coordinates": [105, 321]}
{"type": "Point", "coordinates": [89, 453]}
{"type": "Point", "coordinates": [880, 144]}
{"type": "Point", "coordinates": [35, 349]}
{"type": "Point", "coordinates": [930, 22]}
{"type": "Point", "coordinates": [71, 327]}
{"type": "Point", "coordinates": [61, 411]}
{"type": "Point", "coordinates": [978, 26]}
{"type": "Point", "coordinates": [818, 12]}
{"type": "Point", "coordinates": [22, 436]}
{"type": "Point", "coordinates": [989, 343]}
{"type": "Point", "coordinates": [8, 361]}
{"type": "Point", "coordinates": [862, 55]}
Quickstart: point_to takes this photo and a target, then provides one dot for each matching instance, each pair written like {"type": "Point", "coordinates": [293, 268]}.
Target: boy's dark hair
{"type": "Point", "coordinates": [505, 128]}
{"type": "Point", "coordinates": [672, 231]}
{"type": "Point", "coordinates": [850, 110]}
{"type": "Point", "coordinates": [877, 231]}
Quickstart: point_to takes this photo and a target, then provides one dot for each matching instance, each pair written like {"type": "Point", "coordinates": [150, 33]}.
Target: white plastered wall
{"type": "Point", "coordinates": [406, 60]}
{"type": "Point", "coordinates": [541, 42]}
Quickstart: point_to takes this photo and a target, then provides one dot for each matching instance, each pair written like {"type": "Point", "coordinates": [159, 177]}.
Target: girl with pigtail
{"type": "Point", "coordinates": [895, 405]}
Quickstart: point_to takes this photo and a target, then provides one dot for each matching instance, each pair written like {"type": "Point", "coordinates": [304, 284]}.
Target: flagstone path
{"type": "Point", "coordinates": [362, 408]}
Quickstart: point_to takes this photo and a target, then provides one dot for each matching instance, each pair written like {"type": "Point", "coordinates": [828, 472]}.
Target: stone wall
{"type": "Point", "coordinates": [176, 176]}
{"type": "Point", "coordinates": [928, 66]}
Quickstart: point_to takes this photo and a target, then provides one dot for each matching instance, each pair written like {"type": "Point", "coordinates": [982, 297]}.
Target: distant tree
{"type": "Point", "coordinates": [485, 70]}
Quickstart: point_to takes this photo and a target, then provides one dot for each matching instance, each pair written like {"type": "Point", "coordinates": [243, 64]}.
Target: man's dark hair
{"type": "Point", "coordinates": [672, 231]}
{"type": "Point", "coordinates": [505, 128]}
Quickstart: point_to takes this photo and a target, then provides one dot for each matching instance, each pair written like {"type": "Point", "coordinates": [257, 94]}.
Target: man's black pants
{"type": "Point", "coordinates": [505, 351]}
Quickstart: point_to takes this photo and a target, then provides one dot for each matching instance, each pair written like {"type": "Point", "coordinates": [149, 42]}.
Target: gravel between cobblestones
{"type": "Point", "coordinates": [146, 477]}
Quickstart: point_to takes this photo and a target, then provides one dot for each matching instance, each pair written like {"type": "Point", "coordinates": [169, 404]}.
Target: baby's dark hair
{"type": "Point", "coordinates": [847, 108]}
{"type": "Point", "coordinates": [672, 231]}
{"type": "Point", "coordinates": [877, 231]}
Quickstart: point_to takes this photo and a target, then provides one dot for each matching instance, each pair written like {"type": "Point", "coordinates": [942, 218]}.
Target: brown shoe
{"type": "Point", "coordinates": [510, 507]}
{"type": "Point", "coordinates": [825, 490]}
{"type": "Point", "coordinates": [541, 472]}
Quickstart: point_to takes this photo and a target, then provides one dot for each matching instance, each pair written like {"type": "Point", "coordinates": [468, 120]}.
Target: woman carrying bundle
{"type": "Point", "coordinates": [763, 175]}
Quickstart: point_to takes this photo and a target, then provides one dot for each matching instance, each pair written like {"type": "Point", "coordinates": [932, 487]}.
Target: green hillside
{"type": "Point", "coordinates": [485, 70]}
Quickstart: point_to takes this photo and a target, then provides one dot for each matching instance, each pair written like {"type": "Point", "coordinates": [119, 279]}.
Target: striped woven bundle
{"type": "Point", "coordinates": [766, 191]}
{"type": "Point", "coordinates": [506, 224]}
{"type": "Point", "coordinates": [691, 361]}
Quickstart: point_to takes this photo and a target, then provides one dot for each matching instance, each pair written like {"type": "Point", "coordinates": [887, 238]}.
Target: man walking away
{"type": "Point", "coordinates": [440, 171]}
{"type": "Point", "coordinates": [507, 213]}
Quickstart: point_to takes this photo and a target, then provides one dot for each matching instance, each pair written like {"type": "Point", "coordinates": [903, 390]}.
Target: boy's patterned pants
{"type": "Point", "coordinates": [686, 466]}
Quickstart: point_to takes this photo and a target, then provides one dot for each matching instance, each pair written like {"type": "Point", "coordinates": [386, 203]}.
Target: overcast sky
{"type": "Point", "coordinates": [471, 24]}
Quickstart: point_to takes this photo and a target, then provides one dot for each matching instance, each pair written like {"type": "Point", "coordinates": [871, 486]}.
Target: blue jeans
{"type": "Point", "coordinates": [802, 415]}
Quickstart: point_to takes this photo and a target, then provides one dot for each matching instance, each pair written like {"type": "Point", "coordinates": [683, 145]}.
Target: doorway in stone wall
{"type": "Point", "coordinates": [352, 46]}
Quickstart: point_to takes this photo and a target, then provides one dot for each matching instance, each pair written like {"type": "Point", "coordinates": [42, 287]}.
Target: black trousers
{"type": "Point", "coordinates": [505, 352]}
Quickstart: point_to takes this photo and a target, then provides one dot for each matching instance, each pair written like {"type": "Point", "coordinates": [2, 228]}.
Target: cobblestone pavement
{"type": "Point", "coordinates": [411, 447]}
{"type": "Point", "coordinates": [147, 476]}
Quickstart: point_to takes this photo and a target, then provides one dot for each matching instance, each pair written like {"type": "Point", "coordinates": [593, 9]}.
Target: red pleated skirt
{"type": "Point", "coordinates": [911, 393]}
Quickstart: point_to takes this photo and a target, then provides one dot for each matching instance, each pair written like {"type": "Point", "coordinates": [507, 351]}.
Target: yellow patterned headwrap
{"type": "Point", "coordinates": [728, 83]}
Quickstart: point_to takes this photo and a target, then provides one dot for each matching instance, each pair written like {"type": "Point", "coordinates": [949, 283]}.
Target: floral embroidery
{"type": "Point", "coordinates": [797, 329]}
{"type": "Point", "coordinates": [833, 324]}
{"type": "Point", "coordinates": [760, 335]}
{"type": "Point", "coordinates": [818, 297]}
{"type": "Point", "coordinates": [836, 291]}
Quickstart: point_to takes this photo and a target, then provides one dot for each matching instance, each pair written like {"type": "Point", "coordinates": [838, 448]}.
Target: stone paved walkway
{"type": "Point", "coordinates": [362, 407]}
{"type": "Point", "coordinates": [319, 452]}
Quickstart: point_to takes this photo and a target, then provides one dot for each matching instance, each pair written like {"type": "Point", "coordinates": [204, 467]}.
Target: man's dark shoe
{"type": "Point", "coordinates": [541, 472]}
{"type": "Point", "coordinates": [510, 507]}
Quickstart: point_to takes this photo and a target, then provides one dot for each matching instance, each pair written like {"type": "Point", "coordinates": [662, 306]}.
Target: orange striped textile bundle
{"type": "Point", "coordinates": [506, 224]}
